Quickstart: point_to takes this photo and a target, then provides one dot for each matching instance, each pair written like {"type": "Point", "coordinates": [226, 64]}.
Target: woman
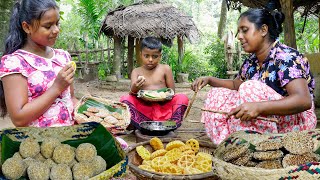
{"type": "Point", "coordinates": [275, 81]}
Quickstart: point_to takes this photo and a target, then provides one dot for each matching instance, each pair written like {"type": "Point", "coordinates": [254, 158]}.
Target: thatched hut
{"type": "Point", "coordinates": [306, 7]}
{"type": "Point", "coordinates": [144, 19]}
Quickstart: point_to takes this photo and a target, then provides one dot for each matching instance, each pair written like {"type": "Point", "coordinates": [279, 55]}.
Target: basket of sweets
{"type": "Point", "coordinates": [163, 94]}
{"type": "Point", "coordinates": [249, 154]}
{"type": "Point", "coordinates": [86, 150]}
{"type": "Point", "coordinates": [171, 158]}
{"type": "Point", "coordinates": [115, 116]}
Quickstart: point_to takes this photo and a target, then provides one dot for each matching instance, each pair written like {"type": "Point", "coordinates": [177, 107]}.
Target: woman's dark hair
{"type": "Point", "coordinates": [151, 43]}
{"type": "Point", "coordinates": [28, 11]}
{"type": "Point", "coordinates": [260, 17]}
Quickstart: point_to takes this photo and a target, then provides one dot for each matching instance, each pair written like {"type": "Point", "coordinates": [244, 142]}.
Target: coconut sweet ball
{"type": "Point", "coordinates": [61, 172]}
{"type": "Point", "coordinates": [49, 162]}
{"type": "Point", "coordinates": [86, 152]}
{"type": "Point", "coordinates": [298, 142]}
{"type": "Point", "coordinates": [82, 170]}
{"type": "Point", "coordinates": [38, 171]}
{"type": "Point", "coordinates": [13, 168]}
{"type": "Point", "coordinates": [29, 148]}
{"type": "Point", "coordinates": [17, 155]}
{"type": "Point", "coordinates": [99, 164]}
{"type": "Point", "coordinates": [48, 145]}
{"type": "Point", "coordinates": [63, 154]}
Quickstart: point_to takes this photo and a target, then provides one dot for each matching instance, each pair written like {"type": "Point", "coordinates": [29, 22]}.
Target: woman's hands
{"type": "Point", "coordinates": [199, 83]}
{"type": "Point", "coordinates": [246, 111]}
{"type": "Point", "coordinates": [64, 78]}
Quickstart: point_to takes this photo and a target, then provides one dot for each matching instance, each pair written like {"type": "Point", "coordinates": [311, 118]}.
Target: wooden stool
{"type": "Point", "coordinates": [141, 137]}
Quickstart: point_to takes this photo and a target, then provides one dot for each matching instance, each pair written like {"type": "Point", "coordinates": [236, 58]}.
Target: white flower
{"type": "Point", "coordinates": [12, 63]}
{"type": "Point", "coordinates": [53, 111]}
{"type": "Point", "coordinates": [36, 78]}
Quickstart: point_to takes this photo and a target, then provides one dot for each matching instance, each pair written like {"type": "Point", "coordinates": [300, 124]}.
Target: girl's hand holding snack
{"type": "Point", "coordinates": [64, 78]}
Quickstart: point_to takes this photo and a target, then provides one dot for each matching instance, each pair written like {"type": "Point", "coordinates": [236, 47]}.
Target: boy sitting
{"type": "Point", "coordinates": [153, 76]}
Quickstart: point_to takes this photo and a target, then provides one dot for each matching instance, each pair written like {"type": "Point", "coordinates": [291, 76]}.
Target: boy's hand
{"type": "Point", "coordinates": [64, 78]}
{"type": "Point", "coordinates": [140, 82]}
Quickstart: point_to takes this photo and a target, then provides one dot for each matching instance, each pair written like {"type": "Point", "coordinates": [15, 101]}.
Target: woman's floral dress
{"type": "Point", "coordinates": [41, 73]}
{"type": "Point", "coordinates": [265, 83]}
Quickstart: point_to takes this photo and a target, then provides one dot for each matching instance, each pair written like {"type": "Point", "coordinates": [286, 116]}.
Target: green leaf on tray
{"type": "Point", "coordinates": [100, 138]}
{"type": "Point", "coordinates": [93, 103]}
{"type": "Point", "coordinates": [163, 90]}
{"type": "Point", "coordinates": [169, 123]}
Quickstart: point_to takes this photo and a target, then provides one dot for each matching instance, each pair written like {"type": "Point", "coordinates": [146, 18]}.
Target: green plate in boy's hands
{"type": "Point", "coordinates": [162, 94]}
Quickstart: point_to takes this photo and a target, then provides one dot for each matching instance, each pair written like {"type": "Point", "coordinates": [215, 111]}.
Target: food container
{"type": "Point", "coordinates": [163, 94]}
{"type": "Point", "coordinates": [157, 128]}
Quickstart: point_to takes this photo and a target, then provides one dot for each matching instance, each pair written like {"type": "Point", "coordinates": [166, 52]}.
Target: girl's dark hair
{"type": "Point", "coordinates": [151, 43]}
{"type": "Point", "coordinates": [260, 17]}
{"type": "Point", "coordinates": [28, 11]}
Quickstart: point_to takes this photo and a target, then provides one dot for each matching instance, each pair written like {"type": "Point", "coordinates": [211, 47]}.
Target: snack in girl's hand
{"type": "Point", "coordinates": [74, 65]}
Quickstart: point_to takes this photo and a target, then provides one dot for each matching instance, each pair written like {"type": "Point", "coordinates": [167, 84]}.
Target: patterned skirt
{"type": "Point", "coordinates": [218, 126]}
{"type": "Point", "coordinates": [156, 111]}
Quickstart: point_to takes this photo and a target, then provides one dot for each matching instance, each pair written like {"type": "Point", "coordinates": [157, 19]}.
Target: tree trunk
{"type": "Point", "coordinates": [289, 31]}
{"type": "Point", "coordinates": [180, 49]}
{"type": "Point", "coordinates": [138, 52]}
{"type": "Point", "coordinates": [5, 11]}
{"type": "Point", "coordinates": [223, 19]}
{"type": "Point", "coordinates": [130, 55]}
{"type": "Point", "coordinates": [117, 57]}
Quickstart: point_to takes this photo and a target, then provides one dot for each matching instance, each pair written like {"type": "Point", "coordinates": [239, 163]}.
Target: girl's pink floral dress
{"type": "Point", "coordinates": [265, 83]}
{"type": "Point", "coordinates": [41, 73]}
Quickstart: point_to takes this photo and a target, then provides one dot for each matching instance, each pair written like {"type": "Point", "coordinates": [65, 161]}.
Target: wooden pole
{"type": "Point", "coordinates": [138, 51]}
{"type": "Point", "coordinates": [117, 57]}
{"type": "Point", "coordinates": [130, 55]}
{"type": "Point", "coordinates": [180, 49]}
{"type": "Point", "coordinates": [289, 31]}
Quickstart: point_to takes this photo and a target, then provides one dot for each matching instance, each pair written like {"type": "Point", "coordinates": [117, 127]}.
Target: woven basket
{"type": "Point", "coordinates": [111, 106]}
{"type": "Point", "coordinates": [147, 175]}
{"type": "Point", "coordinates": [143, 94]}
{"type": "Point", "coordinates": [107, 146]}
{"type": "Point", "coordinates": [226, 170]}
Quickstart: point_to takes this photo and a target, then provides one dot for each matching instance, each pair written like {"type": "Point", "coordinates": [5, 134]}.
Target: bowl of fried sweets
{"type": "Point", "coordinates": [157, 128]}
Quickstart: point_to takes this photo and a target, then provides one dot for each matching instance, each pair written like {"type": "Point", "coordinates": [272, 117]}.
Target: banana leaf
{"type": "Point", "coordinates": [93, 103]}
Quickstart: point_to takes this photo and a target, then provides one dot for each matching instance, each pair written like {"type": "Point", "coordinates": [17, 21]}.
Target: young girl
{"type": "Point", "coordinates": [36, 80]}
{"type": "Point", "coordinates": [274, 81]}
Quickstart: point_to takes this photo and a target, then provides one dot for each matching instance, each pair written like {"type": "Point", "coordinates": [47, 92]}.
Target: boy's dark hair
{"type": "Point", "coordinates": [28, 11]}
{"type": "Point", "coordinates": [273, 20]}
{"type": "Point", "coordinates": [151, 43]}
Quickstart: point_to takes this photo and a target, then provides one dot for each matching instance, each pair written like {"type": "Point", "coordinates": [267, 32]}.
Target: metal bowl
{"type": "Point", "coordinates": [157, 128]}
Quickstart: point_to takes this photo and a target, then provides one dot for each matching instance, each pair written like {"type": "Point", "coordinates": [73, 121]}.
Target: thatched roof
{"type": "Point", "coordinates": [306, 7]}
{"type": "Point", "coordinates": [141, 20]}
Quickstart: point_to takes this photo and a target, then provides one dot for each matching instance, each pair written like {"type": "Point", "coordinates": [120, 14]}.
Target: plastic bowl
{"type": "Point", "coordinates": [157, 128]}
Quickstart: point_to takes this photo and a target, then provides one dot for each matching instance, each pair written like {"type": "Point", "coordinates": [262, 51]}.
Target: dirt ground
{"type": "Point", "coordinates": [113, 91]}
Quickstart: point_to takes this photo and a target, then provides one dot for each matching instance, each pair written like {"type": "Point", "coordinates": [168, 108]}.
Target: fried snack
{"type": "Point", "coordinates": [39, 157]}
{"type": "Point", "coordinates": [157, 153]}
{"type": "Point", "coordinates": [38, 171]}
{"type": "Point", "coordinates": [117, 115]}
{"type": "Point", "coordinates": [158, 162]}
{"type": "Point", "coordinates": [273, 164]}
{"type": "Point", "coordinates": [251, 163]}
{"type": "Point", "coordinates": [13, 168]}
{"type": "Point", "coordinates": [171, 169]}
{"type": "Point", "coordinates": [17, 155]}
{"type": "Point", "coordinates": [81, 118]}
{"type": "Point", "coordinates": [111, 120]}
{"type": "Point", "coordinates": [268, 145]}
{"type": "Point", "coordinates": [267, 155]}
{"type": "Point", "coordinates": [29, 148]}
{"type": "Point", "coordinates": [102, 113]}
{"type": "Point", "coordinates": [61, 172]}
{"type": "Point", "coordinates": [234, 152]}
{"type": "Point", "coordinates": [63, 154]}
{"type": "Point", "coordinates": [194, 145]}
{"type": "Point", "coordinates": [50, 163]}
{"type": "Point", "coordinates": [74, 65]}
{"type": "Point", "coordinates": [89, 114]}
{"type": "Point", "coordinates": [191, 170]}
{"type": "Point", "coordinates": [242, 160]}
{"type": "Point", "coordinates": [93, 109]}
{"type": "Point", "coordinates": [99, 164]}
{"type": "Point", "coordinates": [95, 119]}
{"type": "Point", "coordinates": [28, 161]}
{"type": "Point", "coordinates": [156, 143]}
{"type": "Point", "coordinates": [146, 167]}
{"type": "Point", "coordinates": [293, 159]}
{"type": "Point", "coordinates": [185, 148]}
{"type": "Point", "coordinates": [298, 142]}
{"type": "Point", "coordinates": [202, 156]}
{"type": "Point", "coordinates": [174, 144]}
{"type": "Point", "coordinates": [173, 155]}
{"type": "Point", "coordinates": [82, 170]}
{"type": "Point", "coordinates": [48, 145]}
{"type": "Point", "coordinates": [85, 152]}
{"type": "Point", "coordinates": [143, 152]}
{"type": "Point", "coordinates": [146, 162]}
{"type": "Point", "coordinates": [186, 160]}
{"type": "Point", "coordinates": [204, 166]}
